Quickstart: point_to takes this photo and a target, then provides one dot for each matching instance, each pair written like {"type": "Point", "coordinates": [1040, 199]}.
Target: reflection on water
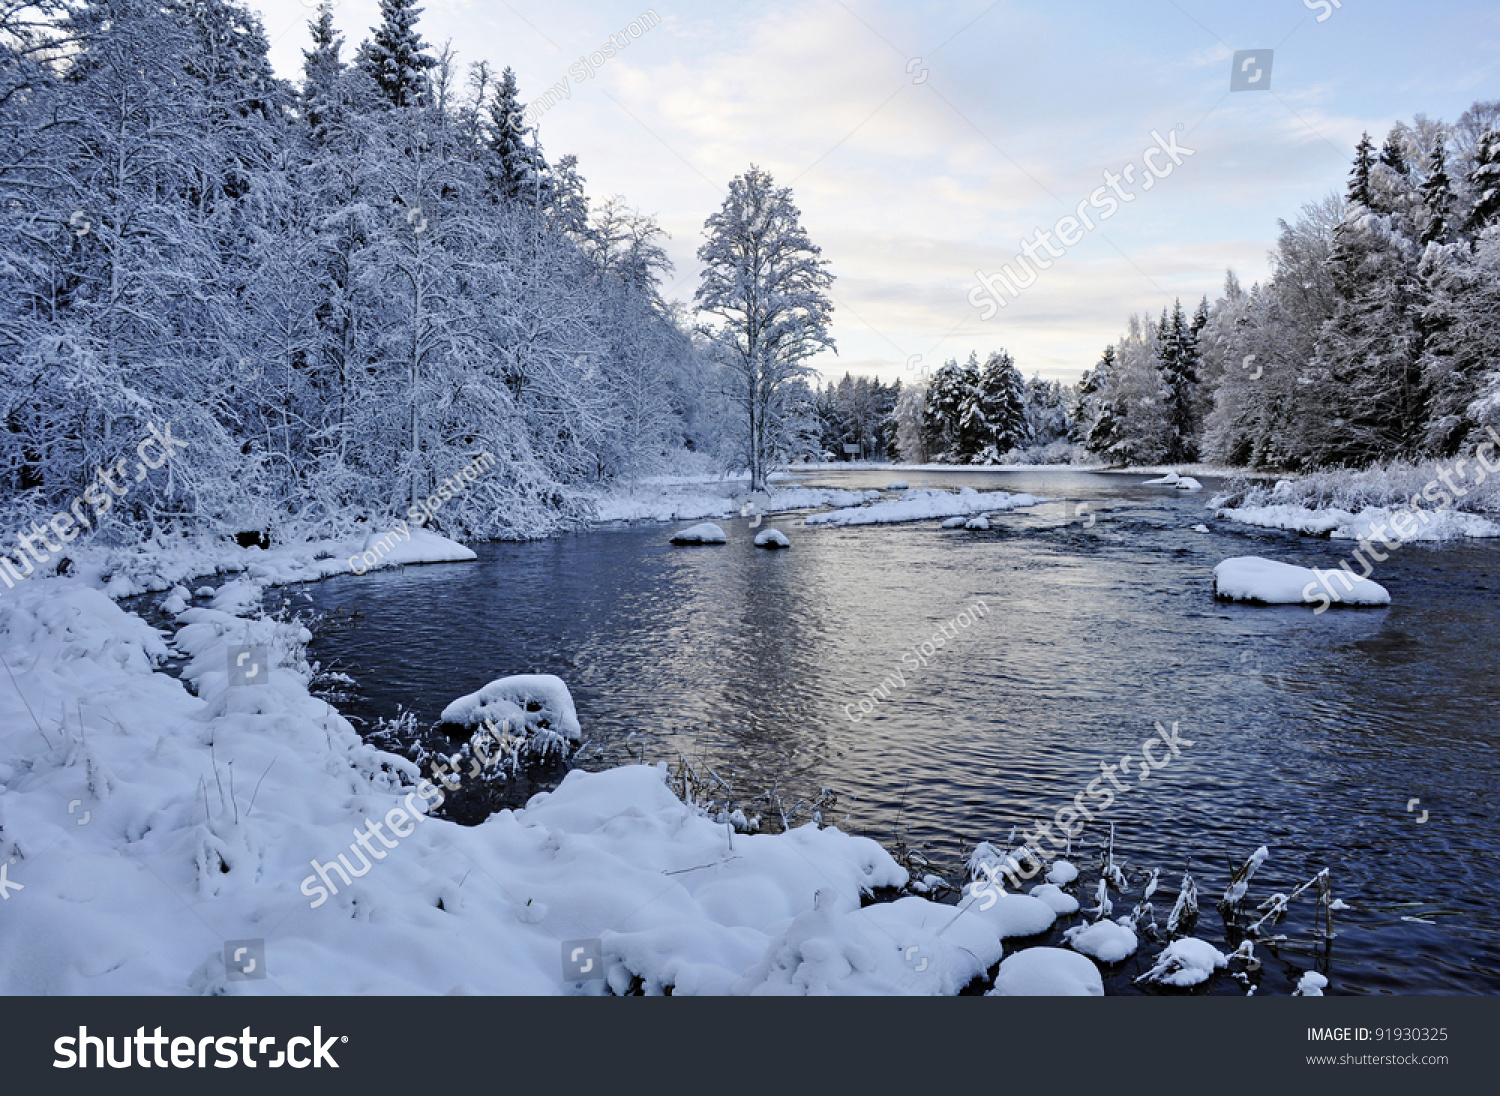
{"type": "Point", "coordinates": [1311, 733]}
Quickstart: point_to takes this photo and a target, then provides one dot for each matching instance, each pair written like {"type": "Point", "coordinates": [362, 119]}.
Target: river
{"type": "Point", "coordinates": [1310, 734]}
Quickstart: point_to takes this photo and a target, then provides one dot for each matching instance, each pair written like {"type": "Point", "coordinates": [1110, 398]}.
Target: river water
{"type": "Point", "coordinates": [1310, 734]}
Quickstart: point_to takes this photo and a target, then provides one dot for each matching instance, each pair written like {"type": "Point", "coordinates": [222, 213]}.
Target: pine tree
{"type": "Point", "coordinates": [517, 170]}
{"type": "Point", "coordinates": [1484, 183]}
{"type": "Point", "coordinates": [1001, 400]}
{"type": "Point", "coordinates": [1359, 175]}
{"type": "Point", "coordinates": [1178, 363]}
{"type": "Point", "coordinates": [394, 58]}
{"type": "Point", "coordinates": [1437, 198]}
{"type": "Point", "coordinates": [321, 72]}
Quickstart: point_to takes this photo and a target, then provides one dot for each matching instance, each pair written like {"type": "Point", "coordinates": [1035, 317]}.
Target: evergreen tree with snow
{"type": "Point", "coordinates": [1484, 183]}
{"type": "Point", "coordinates": [1359, 175]}
{"type": "Point", "coordinates": [518, 172]}
{"type": "Point", "coordinates": [1437, 198]}
{"type": "Point", "coordinates": [394, 56]}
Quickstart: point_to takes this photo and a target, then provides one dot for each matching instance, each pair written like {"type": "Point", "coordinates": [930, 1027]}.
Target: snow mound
{"type": "Point", "coordinates": [1171, 479]}
{"type": "Point", "coordinates": [1268, 582]}
{"type": "Point", "coordinates": [924, 504]}
{"type": "Point", "coordinates": [1047, 972]}
{"type": "Point", "coordinates": [1200, 528]}
{"type": "Point", "coordinates": [1060, 900]}
{"type": "Point", "coordinates": [1311, 984]}
{"type": "Point", "coordinates": [771, 538]}
{"type": "Point", "coordinates": [955, 523]}
{"type": "Point", "coordinates": [1188, 483]}
{"type": "Point", "coordinates": [982, 522]}
{"type": "Point", "coordinates": [1185, 962]}
{"type": "Point", "coordinates": [1106, 941]}
{"type": "Point", "coordinates": [538, 703]}
{"type": "Point", "coordinates": [908, 947]}
{"type": "Point", "coordinates": [1062, 873]}
{"type": "Point", "coordinates": [705, 533]}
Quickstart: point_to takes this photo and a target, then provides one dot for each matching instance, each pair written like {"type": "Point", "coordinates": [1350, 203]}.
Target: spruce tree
{"type": "Point", "coordinates": [1437, 198]}
{"type": "Point", "coordinates": [1359, 176]}
{"type": "Point", "coordinates": [517, 170]}
{"type": "Point", "coordinates": [1484, 183]}
{"type": "Point", "coordinates": [394, 57]}
{"type": "Point", "coordinates": [321, 69]}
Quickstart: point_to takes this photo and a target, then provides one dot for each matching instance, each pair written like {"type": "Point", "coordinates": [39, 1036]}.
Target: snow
{"type": "Point", "coordinates": [705, 533]}
{"type": "Point", "coordinates": [1269, 582]}
{"type": "Point", "coordinates": [1060, 901]}
{"type": "Point", "coordinates": [1200, 528]}
{"type": "Point", "coordinates": [981, 522]}
{"type": "Point", "coordinates": [899, 485]}
{"type": "Point", "coordinates": [1188, 483]}
{"type": "Point", "coordinates": [1106, 941]}
{"type": "Point", "coordinates": [536, 702]}
{"type": "Point", "coordinates": [1311, 984]}
{"type": "Point", "coordinates": [1432, 526]}
{"type": "Point", "coordinates": [1062, 873]}
{"type": "Point", "coordinates": [923, 504]}
{"type": "Point", "coordinates": [956, 523]}
{"type": "Point", "coordinates": [1047, 972]}
{"type": "Point", "coordinates": [771, 538]}
{"type": "Point", "coordinates": [1185, 962]}
{"type": "Point", "coordinates": [1169, 480]}
{"type": "Point", "coordinates": [208, 808]}
{"type": "Point", "coordinates": [691, 498]}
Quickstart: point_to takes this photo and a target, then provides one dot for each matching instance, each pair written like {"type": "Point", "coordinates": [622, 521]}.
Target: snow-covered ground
{"type": "Point", "coordinates": [923, 504]}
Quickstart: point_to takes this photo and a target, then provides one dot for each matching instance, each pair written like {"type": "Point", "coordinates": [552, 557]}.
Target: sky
{"type": "Point", "coordinates": [925, 142]}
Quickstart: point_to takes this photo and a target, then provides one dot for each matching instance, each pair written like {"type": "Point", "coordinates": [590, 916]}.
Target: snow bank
{"type": "Point", "coordinates": [921, 505]}
{"type": "Point", "coordinates": [1403, 525]}
{"type": "Point", "coordinates": [771, 538]}
{"type": "Point", "coordinates": [1106, 941]}
{"type": "Point", "coordinates": [227, 815]}
{"type": "Point", "coordinates": [1185, 962]}
{"type": "Point", "coordinates": [1047, 972]}
{"type": "Point", "coordinates": [538, 704]}
{"type": "Point", "coordinates": [672, 501]}
{"type": "Point", "coordinates": [706, 533]}
{"type": "Point", "coordinates": [1268, 582]}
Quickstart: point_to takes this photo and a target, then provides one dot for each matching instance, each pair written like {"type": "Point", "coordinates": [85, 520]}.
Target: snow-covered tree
{"type": "Point", "coordinates": [765, 283]}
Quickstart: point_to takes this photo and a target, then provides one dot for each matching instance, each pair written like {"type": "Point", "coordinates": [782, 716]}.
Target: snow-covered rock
{"type": "Point", "coordinates": [535, 703]}
{"type": "Point", "coordinates": [1062, 873]}
{"type": "Point", "coordinates": [1106, 941]}
{"type": "Point", "coordinates": [898, 485]}
{"type": "Point", "coordinates": [1169, 480]}
{"type": "Point", "coordinates": [705, 533]}
{"type": "Point", "coordinates": [1311, 984]}
{"type": "Point", "coordinates": [1047, 972]}
{"type": "Point", "coordinates": [1269, 582]}
{"type": "Point", "coordinates": [1188, 483]}
{"type": "Point", "coordinates": [980, 522]}
{"type": "Point", "coordinates": [1185, 962]}
{"type": "Point", "coordinates": [1201, 528]}
{"type": "Point", "coordinates": [1060, 900]}
{"type": "Point", "coordinates": [955, 523]}
{"type": "Point", "coordinates": [771, 538]}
